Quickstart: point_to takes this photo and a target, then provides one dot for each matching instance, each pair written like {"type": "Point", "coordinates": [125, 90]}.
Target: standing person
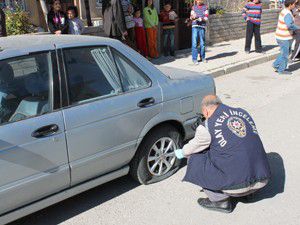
{"type": "Point", "coordinates": [199, 17]}
{"type": "Point", "coordinates": [140, 34]}
{"type": "Point", "coordinates": [168, 17]}
{"type": "Point", "coordinates": [2, 24]}
{"type": "Point", "coordinates": [252, 15]}
{"type": "Point", "coordinates": [284, 37]}
{"type": "Point", "coordinates": [76, 25]}
{"type": "Point", "coordinates": [57, 19]}
{"type": "Point", "coordinates": [113, 19]}
{"type": "Point", "coordinates": [226, 157]}
{"type": "Point", "coordinates": [128, 11]}
{"type": "Point", "coordinates": [151, 24]}
{"type": "Point", "coordinates": [296, 13]}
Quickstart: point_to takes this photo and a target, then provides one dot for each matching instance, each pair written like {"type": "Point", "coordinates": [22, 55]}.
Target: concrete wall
{"type": "Point", "coordinates": [232, 26]}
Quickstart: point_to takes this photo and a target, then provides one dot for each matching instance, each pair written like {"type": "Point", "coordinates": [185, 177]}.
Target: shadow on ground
{"type": "Point", "coordinates": [69, 208]}
{"type": "Point", "coordinates": [275, 185]}
{"type": "Point", "coordinates": [222, 55]}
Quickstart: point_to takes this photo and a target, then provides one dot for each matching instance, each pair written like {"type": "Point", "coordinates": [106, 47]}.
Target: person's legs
{"type": "Point", "coordinates": [249, 36]}
{"type": "Point", "coordinates": [154, 43]}
{"type": "Point", "coordinates": [258, 46]}
{"type": "Point", "coordinates": [216, 196]}
{"type": "Point", "coordinates": [151, 35]}
{"type": "Point", "coordinates": [217, 201]}
{"type": "Point", "coordinates": [195, 35]}
{"type": "Point", "coordinates": [278, 60]}
{"type": "Point", "coordinates": [172, 42]}
{"type": "Point", "coordinates": [202, 43]}
{"type": "Point", "coordinates": [285, 51]}
{"type": "Point", "coordinates": [165, 42]}
{"type": "Point", "coordinates": [296, 49]}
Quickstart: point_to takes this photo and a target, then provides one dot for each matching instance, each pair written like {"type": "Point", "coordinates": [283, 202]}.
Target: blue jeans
{"type": "Point", "coordinates": [282, 60]}
{"type": "Point", "coordinates": [198, 33]}
{"type": "Point", "coordinates": [169, 33]}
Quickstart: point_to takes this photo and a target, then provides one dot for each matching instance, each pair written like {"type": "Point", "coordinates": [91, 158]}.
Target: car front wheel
{"type": "Point", "coordinates": [155, 159]}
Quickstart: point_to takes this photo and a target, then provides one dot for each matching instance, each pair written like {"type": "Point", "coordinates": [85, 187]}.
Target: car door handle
{"type": "Point", "coordinates": [45, 131]}
{"type": "Point", "coordinates": [146, 102]}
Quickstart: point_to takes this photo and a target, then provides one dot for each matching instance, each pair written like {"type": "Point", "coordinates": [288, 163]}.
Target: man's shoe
{"type": "Point", "coordinates": [195, 62]}
{"type": "Point", "coordinates": [222, 206]}
{"type": "Point", "coordinates": [247, 52]}
{"type": "Point", "coordinates": [285, 73]}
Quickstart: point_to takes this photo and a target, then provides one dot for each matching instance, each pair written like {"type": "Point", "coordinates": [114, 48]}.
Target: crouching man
{"type": "Point", "coordinates": [226, 157]}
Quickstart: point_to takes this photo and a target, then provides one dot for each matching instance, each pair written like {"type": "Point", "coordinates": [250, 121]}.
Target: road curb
{"type": "Point", "coordinates": [242, 65]}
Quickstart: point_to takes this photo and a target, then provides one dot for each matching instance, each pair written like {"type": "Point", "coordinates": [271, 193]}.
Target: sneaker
{"type": "Point", "coordinates": [275, 69]}
{"type": "Point", "coordinates": [222, 206]}
{"type": "Point", "coordinates": [261, 52]}
{"type": "Point", "coordinates": [285, 73]}
{"type": "Point", "coordinates": [195, 62]}
{"type": "Point", "coordinates": [247, 52]}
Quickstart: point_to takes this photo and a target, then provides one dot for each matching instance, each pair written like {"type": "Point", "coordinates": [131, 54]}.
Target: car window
{"type": "Point", "coordinates": [91, 73]}
{"type": "Point", "coordinates": [24, 87]}
{"type": "Point", "coordinates": [131, 76]}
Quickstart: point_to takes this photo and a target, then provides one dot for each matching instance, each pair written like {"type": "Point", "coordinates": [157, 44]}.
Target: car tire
{"type": "Point", "coordinates": [140, 166]}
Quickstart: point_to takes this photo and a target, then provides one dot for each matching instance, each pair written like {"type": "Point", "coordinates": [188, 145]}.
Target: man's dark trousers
{"type": "Point", "coordinates": [253, 29]}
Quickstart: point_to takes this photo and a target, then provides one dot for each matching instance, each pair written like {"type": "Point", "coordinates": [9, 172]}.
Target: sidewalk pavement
{"type": "Point", "coordinates": [224, 58]}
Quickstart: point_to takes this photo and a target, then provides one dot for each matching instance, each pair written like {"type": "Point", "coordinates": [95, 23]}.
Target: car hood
{"type": "Point", "coordinates": [179, 74]}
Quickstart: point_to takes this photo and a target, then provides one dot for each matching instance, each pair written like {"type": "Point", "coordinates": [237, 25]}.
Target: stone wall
{"type": "Point", "coordinates": [232, 26]}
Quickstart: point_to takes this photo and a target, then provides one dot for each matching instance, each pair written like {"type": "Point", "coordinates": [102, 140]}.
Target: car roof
{"type": "Point", "coordinates": [24, 44]}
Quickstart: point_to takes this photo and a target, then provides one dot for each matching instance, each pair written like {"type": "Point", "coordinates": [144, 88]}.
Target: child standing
{"type": "Point", "coordinates": [57, 19]}
{"type": "Point", "coordinates": [168, 17]}
{"type": "Point", "coordinates": [140, 34]}
{"type": "Point", "coordinates": [76, 26]}
{"type": "Point", "coordinates": [284, 36]}
{"type": "Point", "coordinates": [252, 15]}
{"type": "Point", "coordinates": [199, 18]}
{"type": "Point", "coordinates": [151, 24]}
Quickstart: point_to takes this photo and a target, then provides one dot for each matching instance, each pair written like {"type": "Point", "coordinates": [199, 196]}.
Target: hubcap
{"type": "Point", "coordinates": [161, 157]}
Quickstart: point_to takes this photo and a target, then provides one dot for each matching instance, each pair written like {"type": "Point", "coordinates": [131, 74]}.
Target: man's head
{"type": "Point", "coordinates": [290, 4]}
{"type": "Point", "coordinates": [256, 1]}
{"type": "Point", "coordinates": [167, 6]}
{"type": "Point", "coordinates": [199, 2]}
{"type": "Point", "coordinates": [209, 105]}
{"type": "Point", "coordinates": [56, 5]}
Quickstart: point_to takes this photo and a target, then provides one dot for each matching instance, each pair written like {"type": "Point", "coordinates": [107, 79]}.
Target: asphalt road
{"type": "Point", "coordinates": [274, 103]}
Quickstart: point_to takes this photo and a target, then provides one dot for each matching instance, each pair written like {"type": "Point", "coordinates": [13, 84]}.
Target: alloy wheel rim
{"type": "Point", "coordinates": [161, 157]}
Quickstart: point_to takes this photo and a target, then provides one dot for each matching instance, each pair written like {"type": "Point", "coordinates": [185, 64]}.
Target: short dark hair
{"type": "Point", "coordinates": [168, 3]}
{"type": "Point", "coordinates": [287, 3]}
{"type": "Point", "coordinates": [74, 9]}
{"type": "Point", "coordinates": [53, 1]}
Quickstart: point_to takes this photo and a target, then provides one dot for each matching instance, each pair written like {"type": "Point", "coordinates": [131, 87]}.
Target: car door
{"type": "Point", "coordinates": [33, 153]}
{"type": "Point", "coordinates": [105, 116]}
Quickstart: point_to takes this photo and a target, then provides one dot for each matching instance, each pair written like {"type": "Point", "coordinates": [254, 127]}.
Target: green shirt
{"type": "Point", "coordinates": [150, 17]}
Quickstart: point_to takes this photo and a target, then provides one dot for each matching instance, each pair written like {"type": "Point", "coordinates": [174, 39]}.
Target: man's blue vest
{"type": "Point", "coordinates": [236, 157]}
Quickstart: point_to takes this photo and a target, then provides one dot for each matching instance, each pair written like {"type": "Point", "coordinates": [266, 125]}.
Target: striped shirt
{"type": "Point", "coordinates": [199, 15]}
{"type": "Point", "coordinates": [252, 12]}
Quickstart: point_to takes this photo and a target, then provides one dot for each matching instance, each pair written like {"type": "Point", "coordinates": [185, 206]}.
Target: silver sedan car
{"type": "Point", "coordinates": [78, 111]}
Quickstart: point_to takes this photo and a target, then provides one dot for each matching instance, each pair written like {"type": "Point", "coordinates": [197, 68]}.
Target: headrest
{"type": "Point", "coordinates": [6, 72]}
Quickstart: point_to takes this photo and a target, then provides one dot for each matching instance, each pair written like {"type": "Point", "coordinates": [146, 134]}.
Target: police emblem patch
{"type": "Point", "coordinates": [237, 126]}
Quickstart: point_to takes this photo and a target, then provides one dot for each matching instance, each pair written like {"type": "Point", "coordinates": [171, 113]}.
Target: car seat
{"type": "Point", "coordinates": [38, 86]}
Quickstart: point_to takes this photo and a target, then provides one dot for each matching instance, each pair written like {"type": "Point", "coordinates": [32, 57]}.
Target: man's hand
{"type": "Point", "coordinates": [125, 34]}
{"type": "Point", "coordinates": [58, 32]}
{"type": "Point", "coordinates": [179, 154]}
